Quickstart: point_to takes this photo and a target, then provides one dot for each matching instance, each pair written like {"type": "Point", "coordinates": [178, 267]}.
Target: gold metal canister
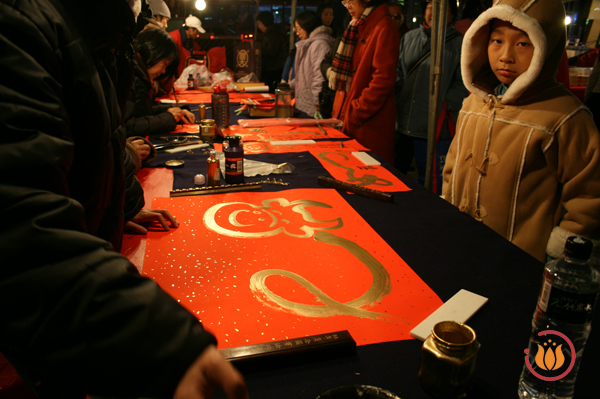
{"type": "Point", "coordinates": [448, 360]}
{"type": "Point", "coordinates": [208, 130]}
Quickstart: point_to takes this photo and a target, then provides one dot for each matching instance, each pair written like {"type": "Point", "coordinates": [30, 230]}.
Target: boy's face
{"type": "Point", "coordinates": [509, 51]}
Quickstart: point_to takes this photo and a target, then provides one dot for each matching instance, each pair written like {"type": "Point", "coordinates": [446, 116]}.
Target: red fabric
{"type": "Point", "coordinates": [184, 53]}
{"type": "Point", "coordinates": [452, 129]}
{"type": "Point", "coordinates": [588, 59]}
{"type": "Point", "coordinates": [217, 59]}
{"type": "Point", "coordinates": [369, 108]}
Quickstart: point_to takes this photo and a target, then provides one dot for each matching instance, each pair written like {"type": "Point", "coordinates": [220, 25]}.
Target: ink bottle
{"type": "Point", "coordinates": [234, 160]}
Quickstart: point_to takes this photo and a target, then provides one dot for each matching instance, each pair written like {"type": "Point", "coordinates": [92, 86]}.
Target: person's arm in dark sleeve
{"type": "Point", "coordinates": [77, 308]}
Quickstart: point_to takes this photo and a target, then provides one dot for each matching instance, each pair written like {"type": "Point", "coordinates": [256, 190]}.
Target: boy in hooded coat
{"type": "Point", "coordinates": [526, 157]}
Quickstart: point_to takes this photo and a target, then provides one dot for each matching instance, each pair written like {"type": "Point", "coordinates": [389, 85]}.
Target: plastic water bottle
{"type": "Point", "coordinates": [561, 323]}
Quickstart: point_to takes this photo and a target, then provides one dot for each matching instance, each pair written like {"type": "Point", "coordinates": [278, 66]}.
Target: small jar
{"type": "Point", "coordinates": [448, 360]}
{"type": "Point", "coordinates": [283, 101]}
{"type": "Point", "coordinates": [208, 130]}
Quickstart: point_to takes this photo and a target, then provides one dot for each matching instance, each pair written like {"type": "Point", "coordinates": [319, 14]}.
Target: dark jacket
{"type": "Point", "coordinates": [144, 117]}
{"type": "Point", "coordinates": [77, 308]}
{"type": "Point", "coordinates": [412, 94]}
{"type": "Point", "coordinates": [274, 48]}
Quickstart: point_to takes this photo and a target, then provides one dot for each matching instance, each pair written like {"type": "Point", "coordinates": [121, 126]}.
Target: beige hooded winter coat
{"type": "Point", "coordinates": [526, 163]}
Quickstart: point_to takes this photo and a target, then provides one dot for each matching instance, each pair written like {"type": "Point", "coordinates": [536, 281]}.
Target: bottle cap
{"type": "Point", "coordinates": [234, 141]}
{"type": "Point", "coordinates": [578, 248]}
{"type": "Point", "coordinates": [199, 180]}
{"type": "Point", "coordinates": [212, 153]}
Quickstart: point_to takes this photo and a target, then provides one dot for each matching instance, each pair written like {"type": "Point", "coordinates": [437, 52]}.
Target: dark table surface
{"type": "Point", "coordinates": [450, 251]}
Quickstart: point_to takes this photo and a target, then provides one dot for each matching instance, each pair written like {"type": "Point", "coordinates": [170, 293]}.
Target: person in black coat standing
{"type": "Point", "coordinates": [78, 311]}
{"type": "Point", "coordinates": [274, 49]}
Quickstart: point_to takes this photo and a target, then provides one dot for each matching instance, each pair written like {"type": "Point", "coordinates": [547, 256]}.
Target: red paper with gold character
{"type": "Point", "coordinates": [282, 133]}
{"type": "Point", "coordinates": [346, 167]}
{"type": "Point", "coordinates": [263, 147]}
{"type": "Point", "coordinates": [257, 267]}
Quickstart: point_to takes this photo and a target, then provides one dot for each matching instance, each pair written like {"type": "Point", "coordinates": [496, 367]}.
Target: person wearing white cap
{"type": "Point", "coordinates": [160, 12]}
{"type": "Point", "coordinates": [185, 37]}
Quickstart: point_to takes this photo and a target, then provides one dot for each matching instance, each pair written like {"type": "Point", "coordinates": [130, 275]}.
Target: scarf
{"type": "Point", "coordinates": [342, 61]}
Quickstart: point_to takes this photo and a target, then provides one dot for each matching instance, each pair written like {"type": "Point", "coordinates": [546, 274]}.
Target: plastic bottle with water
{"type": "Point", "coordinates": [565, 307]}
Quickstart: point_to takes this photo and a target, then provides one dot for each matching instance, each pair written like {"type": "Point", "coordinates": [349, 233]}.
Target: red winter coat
{"type": "Point", "coordinates": [180, 37]}
{"type": "Point", "coordinates": [368, 110]}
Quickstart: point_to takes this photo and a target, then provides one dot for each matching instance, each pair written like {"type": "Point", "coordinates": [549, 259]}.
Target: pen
{"type": "Point", "coordinates": [175, 95]}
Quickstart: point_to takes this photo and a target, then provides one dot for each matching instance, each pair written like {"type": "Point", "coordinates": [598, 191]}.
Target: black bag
{"type": "Point", "coordinates": [326, 98]}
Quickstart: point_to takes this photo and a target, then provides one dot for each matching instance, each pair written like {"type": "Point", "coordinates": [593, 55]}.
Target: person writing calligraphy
{"type": "Point", "coordinates": [155, 52]}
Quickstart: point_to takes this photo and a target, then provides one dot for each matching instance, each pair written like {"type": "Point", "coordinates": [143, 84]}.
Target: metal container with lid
{"type": "Point", "coordinates": [283, 101]}
{"type": "Point", "coordinates": [208, 130]}
{"type": "Point", "coordinates": [448, 360]}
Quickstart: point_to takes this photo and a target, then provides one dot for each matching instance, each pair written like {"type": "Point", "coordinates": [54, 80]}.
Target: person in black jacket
{"type": "Point", "coordinates": [155, 51]}
{"type": "Point", "coordinates": [274, 49]}
{"type": "Point", "coordinates": [79, 311]}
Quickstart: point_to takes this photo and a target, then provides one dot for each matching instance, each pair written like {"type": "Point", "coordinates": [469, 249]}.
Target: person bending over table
{"type": "Point", "coordinates": [364, 75]}
{"type": "Point", "coordinates": [78, 318]}
{"type": "Point", "coordinates": [154, 50]}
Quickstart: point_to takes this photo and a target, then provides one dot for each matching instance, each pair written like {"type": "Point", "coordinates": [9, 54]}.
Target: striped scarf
{"type": "Point", "coordinates": [342, 61]}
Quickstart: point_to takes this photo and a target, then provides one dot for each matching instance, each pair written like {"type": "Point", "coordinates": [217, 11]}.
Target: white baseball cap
{"type": "Point", "coordinates": [159, 7]}
{"type": "Point", "coordinates": [194, 22]}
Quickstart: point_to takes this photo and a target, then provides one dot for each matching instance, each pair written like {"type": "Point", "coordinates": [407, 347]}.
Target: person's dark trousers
{"type": "Point", "coordinates": [403, 152]}
{"type": "Point", "coordinates": [593, 103]}
{"type": "Point", "coordinates": [272, 78]}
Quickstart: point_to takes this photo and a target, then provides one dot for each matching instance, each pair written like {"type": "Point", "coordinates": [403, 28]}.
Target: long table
{"type": "Point", "coordinates": [450, 251]}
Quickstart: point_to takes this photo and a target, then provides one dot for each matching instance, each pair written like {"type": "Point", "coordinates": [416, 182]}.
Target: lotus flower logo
{"type": "Point", "coordinates": [551, 357]}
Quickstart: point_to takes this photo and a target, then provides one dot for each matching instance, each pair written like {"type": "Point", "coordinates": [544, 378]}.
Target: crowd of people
{"type": "Point", "coordinates": [77, 100]}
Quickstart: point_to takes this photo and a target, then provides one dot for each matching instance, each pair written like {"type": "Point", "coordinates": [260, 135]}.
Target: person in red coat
{"type": "Point", "coordinates": [364, 75]}
{"type": "Point", "coordinates": [185, 38]}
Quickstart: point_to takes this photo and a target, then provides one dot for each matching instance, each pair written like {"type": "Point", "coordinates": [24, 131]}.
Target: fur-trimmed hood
{"type": "Point", "coordinates": [542, 20]}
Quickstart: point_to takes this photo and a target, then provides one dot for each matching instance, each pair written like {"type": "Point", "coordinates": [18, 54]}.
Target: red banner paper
{"type": "Point", "coordinates": [284, 133]}
{"type": "Point", "coordinates": [259, 267]}
{"type": "Point", "coordinates": [197, 97]}
{"type": "Point", "coordinates": [346, 167]}
{"type": "Point", "coordinates": [261, 147]}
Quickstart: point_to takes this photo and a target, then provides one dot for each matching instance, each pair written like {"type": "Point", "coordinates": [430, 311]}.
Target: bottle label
{"type": "Point", "coordinates": [234, 166]}
{"type": "Point", "coordinates": [567, 306]}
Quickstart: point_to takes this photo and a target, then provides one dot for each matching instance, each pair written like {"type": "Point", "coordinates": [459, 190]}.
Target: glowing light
{"type": "Point", "coordinates": [568, 20]}
{"type": "Point", "coordinates": [415, 19]}
{"type": "Point", "coordinates": [201, 5]}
